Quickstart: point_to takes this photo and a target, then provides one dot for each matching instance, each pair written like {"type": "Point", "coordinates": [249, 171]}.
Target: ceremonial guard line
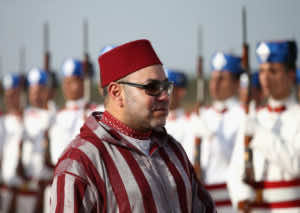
{"type": "Point", "coordinates": [233, 147]}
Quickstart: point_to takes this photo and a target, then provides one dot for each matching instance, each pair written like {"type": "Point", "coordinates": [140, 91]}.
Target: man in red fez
{"type": "Point", "coordinates": [123, 160]}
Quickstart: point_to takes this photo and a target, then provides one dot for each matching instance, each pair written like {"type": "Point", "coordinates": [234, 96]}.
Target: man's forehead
{"type": "Point", "coordinates": [153, 72]}
{"type": "Point", "coordinates": [37, 87]}
{"type": "Point", "coordinates": [72, 78]}
{"type": "Point", "coordinates": [11, 90]}
{"type": "Point", "coordinates": [221, 73]}
{"type": "Point", "coordinates": [270, 65]}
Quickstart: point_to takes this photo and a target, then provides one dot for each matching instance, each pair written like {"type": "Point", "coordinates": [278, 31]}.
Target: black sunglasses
{"type": "Point", "coordinates": [154, 88]}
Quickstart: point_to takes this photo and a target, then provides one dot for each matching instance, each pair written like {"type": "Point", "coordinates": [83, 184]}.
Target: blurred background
{"type": "Point", "coordinates": [179, 30]}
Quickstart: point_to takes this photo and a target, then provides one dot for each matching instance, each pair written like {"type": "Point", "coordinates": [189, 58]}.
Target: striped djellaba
{"type": "Point", "coordinates": [101, 171]}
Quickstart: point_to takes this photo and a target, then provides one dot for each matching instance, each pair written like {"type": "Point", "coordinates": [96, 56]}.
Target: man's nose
{"type": "Point", "coordinates": [164, 96]}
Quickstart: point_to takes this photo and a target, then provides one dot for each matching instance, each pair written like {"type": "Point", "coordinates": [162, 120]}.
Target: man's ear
{"type": "Point", "coordinates": [115, 92]}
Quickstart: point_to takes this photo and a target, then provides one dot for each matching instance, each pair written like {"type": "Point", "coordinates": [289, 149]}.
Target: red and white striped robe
{"type": "Point", "coordinates": [103, 172]}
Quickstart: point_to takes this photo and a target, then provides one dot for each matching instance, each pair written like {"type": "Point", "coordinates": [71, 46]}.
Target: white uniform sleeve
{"type": "Point", "coordinates": [238, 190]}
{"type": "Point", "coordinates": [285, 153]}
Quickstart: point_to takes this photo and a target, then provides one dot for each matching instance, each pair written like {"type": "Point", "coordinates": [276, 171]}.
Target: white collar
{"type": "Point", "coordinates": [228, 103]}
{"type": "Point", "coordinates": [283, 102]}
{"type": "Point", "coordinates": [80, 103]}
{"type": "Point", "coordinates": [143, 145]}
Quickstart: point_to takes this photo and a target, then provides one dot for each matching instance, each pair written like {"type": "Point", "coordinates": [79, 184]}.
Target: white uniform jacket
{"type": "Point", "coordinates": [68, 122]}
{"type": "Point", "coordinates": [217, 126]}
{"type": "Point", "coordinates": [37, 123]}
{"type": "Point", "coordinates": [177, 125]}
{"type": "Point", "coordinates": [276, 159]}
{"type": "Point", "coordinates": [13, 136]}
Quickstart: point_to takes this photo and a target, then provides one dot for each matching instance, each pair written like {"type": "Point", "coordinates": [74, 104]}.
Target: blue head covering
{"type": "Point", "coordinates": [298, 76]}
{"type": "Point", "coordinates": [276, 51]}
{"type": "Point", "coordinates": [37, 76]}
{"type": "Point", "coordinates": [255, 80]}
{"type": "Point", "coordinates": [178, 78]}
{"type": "Point", "coordinates": [106, 49]}
{"type": "Point", "coordinates": [11, 81]}
{"type": "Point", "coordinates": [221, 61]}
{"type": "Point", "coordinates": [72, 67]}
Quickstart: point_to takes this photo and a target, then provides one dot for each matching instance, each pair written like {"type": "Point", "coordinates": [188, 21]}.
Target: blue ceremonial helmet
{"type": "Point", "coordinates": [11, 81]}
{"type": "Point", "coordinates": [226, 62]}
{"type": "Point", "coordinates": [178, 78]}
{"type": "Point", "coordinates": [72, 67]}
{"type": "Point", "coordinates": [106, 49]}
{"type": "Point", "coordinates": [37, 76]}
{"type": "Point", "coordinates": [284, 52]}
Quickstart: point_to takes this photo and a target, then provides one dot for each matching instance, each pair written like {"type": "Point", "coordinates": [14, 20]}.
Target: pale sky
{"type": "Point", "coordinates": [171, 26]}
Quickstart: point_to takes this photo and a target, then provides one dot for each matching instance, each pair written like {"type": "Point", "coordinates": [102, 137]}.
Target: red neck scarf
{"type": "Point", "coordinates": [114, 123]}
{"type": "Point", "coordinates": [276, 109]}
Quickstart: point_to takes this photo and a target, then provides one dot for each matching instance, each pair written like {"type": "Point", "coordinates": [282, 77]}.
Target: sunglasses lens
{"type": "Point", "coordinates": [156, 88]}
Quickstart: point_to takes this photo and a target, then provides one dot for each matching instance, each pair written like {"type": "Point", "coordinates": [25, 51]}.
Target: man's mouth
{"type": "Point", "coordinates": [161, 110]}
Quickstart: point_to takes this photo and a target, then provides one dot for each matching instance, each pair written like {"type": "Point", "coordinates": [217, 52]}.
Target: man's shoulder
{"type": "Point", "coordinates": [200, 112]}
{"type": "Point", "coordinates": [80, 153]}
{"type": "Point", "coordinates": [31, 112]}
{"type": "Point", "coordinates": [292, 114]}
{"type": "Point", "coordinates": [86, 145]}
{"type": "Point", "coordinates": [66, 110]}
{"type": "Point", "coordinates": [295, 107]}
{"type": "Point", "coordinates": [94, 107]}
{"type": "Point", "coordinates": [66, 114]}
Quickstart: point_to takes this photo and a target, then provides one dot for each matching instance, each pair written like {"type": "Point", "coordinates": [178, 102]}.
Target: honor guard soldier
{"type": "Point", "coordinates": [217, 127]}
{"type": "Point", "coordinates": [69, 120]}
{"type": "Point", "coordinates": [15, 197]}
{"type": "Point", "coordinates": [123, 160]}
{"type": "Point", "coordinates": [264, 172]}
{"type": "Point", "coordinates": [38, 118]}
{"type": "Point", "coordinates": [176, 124]}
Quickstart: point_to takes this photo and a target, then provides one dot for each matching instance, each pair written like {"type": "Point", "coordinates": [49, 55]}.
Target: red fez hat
{"type": "Point", "coordinates": [125, 59]}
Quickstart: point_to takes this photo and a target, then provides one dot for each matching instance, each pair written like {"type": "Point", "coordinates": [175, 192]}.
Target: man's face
{"type": "Point", "coordinates": [73, 88]}
{"type": "Point", "coordinates": [275, 81]}
{"type": "Point", "coordinates": [12, 99]}
{"type": "Point", "coordinates": [177, 97]}
{"type": "Point", "coordinates": [38, 95]}
{"type": "Point", "coordinates": [142, 111]}
{"type": "Point", "coordinates": [222, 85]}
